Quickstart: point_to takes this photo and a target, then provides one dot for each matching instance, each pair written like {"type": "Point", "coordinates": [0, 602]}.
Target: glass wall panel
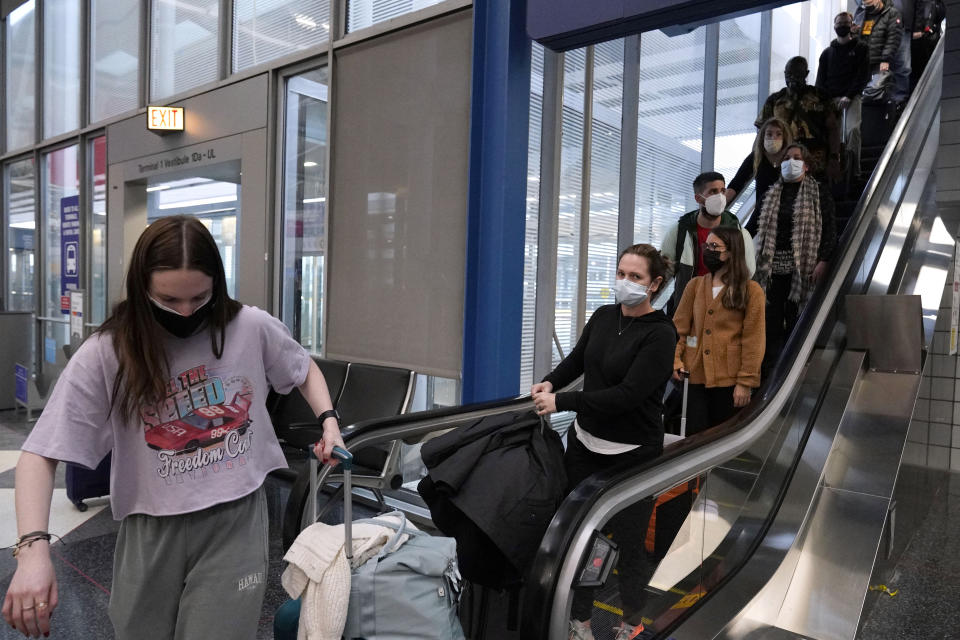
{"type": "Point", "coordinates": [97, 161]}
{"type": "Point", "coordinates": [61, 66]}
{"type": "Point", "coordinates": [530, 247]}
{"type": "Point", "coordinates": [364, 13]}
{"type": "Point", "coordinates": [604, 173]}
{"type": "Point", "coordinates": [738, 77]}
{"type": "Point", "coordinates": [305, 207]}
{"type": "Point", "coordinates": [20, 178]}
{"type": "Point", "coordinates": [61, 181]}
{"type": "Point", "coordinates": [821, 33]}
{"type": "Point", "coordinates": [114, 57]}
{"type": "Point", "coordinates": [21, 76]}
{"type": "Point", "coordinates": [669, 131]}
{"type": "Point", "coordinates": [571, 178]}
{"type": "Point", "coordinates": [264, 30]}
{"type": "Point", "coordinates": [183, 45]}
{"type": "Point", "coordinates": [785, 42]}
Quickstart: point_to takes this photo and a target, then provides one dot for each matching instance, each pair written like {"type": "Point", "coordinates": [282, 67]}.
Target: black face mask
{"type": "Point", "coordinates": [712, 261]}
{"type": "Point", "coordinates": [181, 326]}
{"type": "Point", "coordinates": [843, 30]}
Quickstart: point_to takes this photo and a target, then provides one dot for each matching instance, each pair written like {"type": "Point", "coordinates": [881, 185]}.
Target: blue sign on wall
{"type": "Point", "coordinates": [69, 246]}
{"type": "Point", "coordinates": [20, 374]}
{"type": "Point", "coordinates": [50, 350]}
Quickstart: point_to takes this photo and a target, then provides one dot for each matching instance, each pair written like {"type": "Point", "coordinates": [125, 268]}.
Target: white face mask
{"type": "Point", "coordinates": [772, 145]}
{"type": "Point", "coordinates": [715, 204]}
{"type": "Point", "coordinates": [629, 293]}
{"type": "Point", "coordinates": [791, 169]}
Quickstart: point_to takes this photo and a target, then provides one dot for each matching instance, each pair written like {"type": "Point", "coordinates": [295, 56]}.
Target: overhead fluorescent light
{"type": "Point", "coordinates": [29, 224]}
{"type": "Point", "coordinates": [196, 203]}
{"type": "Point", "coordinates": [309, 163]}
{"type": "Point", "coordinates": [209, 211]}
{"type": "Point", "coordinates": [311, 200]}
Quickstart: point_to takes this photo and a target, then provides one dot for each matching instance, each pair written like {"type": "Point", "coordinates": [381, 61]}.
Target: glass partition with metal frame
{"type": "Point", "coordinates": [20, 218]}
{"type": "Point", "coordinates": [61, 66]}
{"type": "Point", "coordinates": [20, 77]}
{"type": "Point", "coordinates": [263, 31]}
{"type": "Point", "coordinates": [60, 188]}
{"type": "Point", "coordinates": [114, 57]}
{"type": "Point", "coordinates": [304, 217]}
{"type": "Point", "coordinates": [97, 192]}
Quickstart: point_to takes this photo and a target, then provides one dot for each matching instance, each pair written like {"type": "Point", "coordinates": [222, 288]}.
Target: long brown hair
{"type": "Point", "coordinates": [737, 277]}
{"type": "Point", "coordinates": [174, 242]}
{"type": "Point", "coordinates": [759, 153]}
{"type": "Point", "coordinates": [658, 264]}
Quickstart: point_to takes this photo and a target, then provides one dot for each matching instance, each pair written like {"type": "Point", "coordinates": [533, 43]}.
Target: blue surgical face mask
{"type": "Point", "coordinates": [629, 293]}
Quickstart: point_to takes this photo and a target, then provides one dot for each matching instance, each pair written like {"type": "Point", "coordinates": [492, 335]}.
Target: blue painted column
{"type": "Point", "coordinates": [499, 121]}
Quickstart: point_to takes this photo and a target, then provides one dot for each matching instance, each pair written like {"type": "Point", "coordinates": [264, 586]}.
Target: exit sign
{"type": "Point", "coordinates": [165, 118]}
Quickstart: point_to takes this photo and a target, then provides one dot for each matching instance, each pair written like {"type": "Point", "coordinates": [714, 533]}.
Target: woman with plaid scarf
{"type": "Point", "coordinates": [795, 241]}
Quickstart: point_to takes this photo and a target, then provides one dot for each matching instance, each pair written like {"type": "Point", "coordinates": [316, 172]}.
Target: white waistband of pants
{"type": "Point", "coordinates": [599, 445]}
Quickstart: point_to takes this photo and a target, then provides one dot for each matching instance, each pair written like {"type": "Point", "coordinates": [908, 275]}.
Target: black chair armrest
{"type": "Point", "coordinates": [303, 435]}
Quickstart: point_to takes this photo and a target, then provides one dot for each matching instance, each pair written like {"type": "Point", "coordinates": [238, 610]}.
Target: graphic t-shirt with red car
{"type": "Point", "coordinates": [209, 441]}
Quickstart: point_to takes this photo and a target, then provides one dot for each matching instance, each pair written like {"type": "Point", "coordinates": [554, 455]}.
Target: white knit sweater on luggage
{"type": "Point", "coordinates": [319, 574]}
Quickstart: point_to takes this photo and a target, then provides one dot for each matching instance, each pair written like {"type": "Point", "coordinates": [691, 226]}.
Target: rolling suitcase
{"type": "Point", "coordinates": [671, 508]}
{"type": "Point", "coordinates": [83, 483]}
{"type": "Point", "coordinates": [408, 590]}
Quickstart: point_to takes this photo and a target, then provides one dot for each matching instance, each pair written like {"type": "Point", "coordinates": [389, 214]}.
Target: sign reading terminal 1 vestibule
{"type": "Point", "coordinates": [165, 119]}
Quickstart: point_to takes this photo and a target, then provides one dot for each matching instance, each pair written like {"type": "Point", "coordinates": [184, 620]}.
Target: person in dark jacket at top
{"type": "Point", "coordinates": [762, 166]}
{"type": "Point", "coordinates": [683, 242]}
{"type": "Point", "coordinates": [843, 74]}
{"type": "Point", "coordinates": [927, 17]}
{"type": "Point", "coordinates": [625, 355]}
{"type": "Point", "coordinates": [811, 117]}
{"type": "Point", "coordinates": [881, 26]}
{"type": "Point", "coordinates": [796, 237]}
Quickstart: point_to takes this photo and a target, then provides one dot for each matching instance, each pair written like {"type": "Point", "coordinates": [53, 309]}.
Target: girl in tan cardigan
{"type": "Point", "coordinates": [720, 322]}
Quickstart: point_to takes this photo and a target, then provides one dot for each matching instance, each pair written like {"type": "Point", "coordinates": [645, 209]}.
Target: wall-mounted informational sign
{"type": "Point", "coordinates": [165, 119]}
{"type": "Point", "coordinates": [20, 374]}
{"type": "Point", "coordinates": [69, 247]}
{"type": "Point", "coordinates": [76, 316]}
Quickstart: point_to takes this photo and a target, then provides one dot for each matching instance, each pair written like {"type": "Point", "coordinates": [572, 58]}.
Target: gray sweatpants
{"type": "Point", "coordinates": [191, 576]}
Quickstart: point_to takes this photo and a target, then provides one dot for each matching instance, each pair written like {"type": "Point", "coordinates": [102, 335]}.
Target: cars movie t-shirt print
{"type": "Point", "coordinates": [201, 427]}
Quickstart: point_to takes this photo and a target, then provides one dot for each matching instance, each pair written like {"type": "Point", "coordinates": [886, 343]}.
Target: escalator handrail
{"type": "Point", "coordinates": [692, 457]}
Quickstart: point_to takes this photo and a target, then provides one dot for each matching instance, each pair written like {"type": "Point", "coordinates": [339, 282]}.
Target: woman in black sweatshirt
{"type": "Point", "coordinates": [626, 357]}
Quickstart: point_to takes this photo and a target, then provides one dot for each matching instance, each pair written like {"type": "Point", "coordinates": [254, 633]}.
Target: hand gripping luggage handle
{"type": "Point", "coordinates": [346, 461]}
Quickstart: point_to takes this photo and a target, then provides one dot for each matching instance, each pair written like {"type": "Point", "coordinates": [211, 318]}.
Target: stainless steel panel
{"type": "Point", "coordinates": [867, 451]}
{"type": "Point", "coordinates": [831, 579]}
{"type": "Point", "coordinates": [889, 327]}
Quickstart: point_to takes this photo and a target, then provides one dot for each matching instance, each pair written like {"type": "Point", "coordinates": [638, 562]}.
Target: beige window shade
{"type": "Point", "coordinates": [399, 198]}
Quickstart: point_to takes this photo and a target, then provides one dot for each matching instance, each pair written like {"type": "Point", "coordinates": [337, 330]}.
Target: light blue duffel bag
{"type": "Point", "coordinates": [407, 592]}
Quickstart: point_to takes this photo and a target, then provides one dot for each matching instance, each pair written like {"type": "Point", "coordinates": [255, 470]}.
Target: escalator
{"type": "Point", "coordinates": [794, 493]}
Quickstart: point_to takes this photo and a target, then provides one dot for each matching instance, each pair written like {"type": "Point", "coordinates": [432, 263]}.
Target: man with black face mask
{"type": "Point", "coordinates": [843, 73]}
{"type": "Point", "coordinates": [811, 116]}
